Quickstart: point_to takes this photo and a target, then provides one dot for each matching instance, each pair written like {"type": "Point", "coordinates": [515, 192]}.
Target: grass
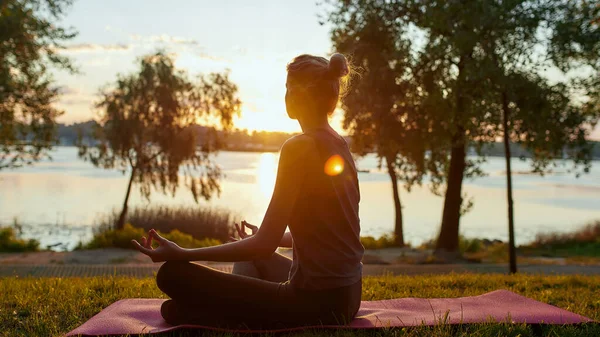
{"type": "Point", "coordinates": [53, 306]}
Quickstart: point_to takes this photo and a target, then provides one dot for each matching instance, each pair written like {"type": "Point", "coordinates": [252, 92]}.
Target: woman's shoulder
{"type": "Point", "coordinates": [300, 146]}
{"type": "Point", "coordinates": [299, 142]}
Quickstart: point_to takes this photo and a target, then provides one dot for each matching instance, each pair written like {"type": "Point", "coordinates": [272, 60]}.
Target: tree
{"type": "Point", "coordinates": [147, 127]}
{"type": "Point", "coordinates": [510, 47]}
{"type": "Point", "coordinates": [451, 75]}
{"type": "Point", "coordinates": [29, 41]}
{"type": "Point", "coordinates": [492, 80]}
{"type": "Point", "coordinates": [380, 110]}
{"type": "Point", "coordinates": [542, 118]}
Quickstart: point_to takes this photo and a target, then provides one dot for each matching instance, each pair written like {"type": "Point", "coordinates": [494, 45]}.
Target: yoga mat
{"type": "Point", "coordinates": [142, 316]}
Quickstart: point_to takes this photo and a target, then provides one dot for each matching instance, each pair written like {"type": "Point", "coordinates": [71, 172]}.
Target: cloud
{"type": "Point", "coordinates": [66, 90]}
{"type": "Point", "coordinates": [78, 101]}
{"type": "Point", "coordinates": [241, 51]}
{"type": "Point", "coordinates": [98, 61]}
{"type": "Point", "coordinates": [176, 42]}
{"type": "Point", "coordinates": [92, 47]}
{"type": "Point", "coordinates": [164, 38]}
{"type": "Point", "coordinates": [206, 56]}
{"type": "Point", "coordinates": [70, 95]}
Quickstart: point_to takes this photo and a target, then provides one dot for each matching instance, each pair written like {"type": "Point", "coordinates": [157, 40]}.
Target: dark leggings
{"type": "Point", "coordinates": [256, 295]}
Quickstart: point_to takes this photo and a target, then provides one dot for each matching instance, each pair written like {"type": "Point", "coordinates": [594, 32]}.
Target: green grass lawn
{"type": "Point", "coordinates": [53, 306]}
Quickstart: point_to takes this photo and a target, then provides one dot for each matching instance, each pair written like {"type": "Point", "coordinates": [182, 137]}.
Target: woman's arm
{"type": "Point", "coordinates": [286, 240]}
{"type": "Point", "coordinates": [296, 153]}
{"type": "Point", "coordinates": [242, 250]}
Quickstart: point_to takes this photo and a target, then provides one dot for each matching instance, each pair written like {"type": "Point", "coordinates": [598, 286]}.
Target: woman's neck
{"type": "Point", "coordinates": [309, 125]}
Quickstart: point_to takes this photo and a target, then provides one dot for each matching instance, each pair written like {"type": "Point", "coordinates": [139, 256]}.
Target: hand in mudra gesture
{"type": "Point", "coordinates": [166, 250]}
{"type": "Point", "coordinates": [241, 231]}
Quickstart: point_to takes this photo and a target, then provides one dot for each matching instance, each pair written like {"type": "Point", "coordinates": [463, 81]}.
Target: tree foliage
{"type": "Point", "coordinates": [381, 109]}
{"type": "Point", "coordinates": [29, 43]}
{"type": "Point", "coordinates": [469, 64]}
{"type": "Point", "coordinates": [575, 45]}
{"type": "Point", "coordinates": [147, 127]}
{"type": "Point", "coordinates": [545, 118]}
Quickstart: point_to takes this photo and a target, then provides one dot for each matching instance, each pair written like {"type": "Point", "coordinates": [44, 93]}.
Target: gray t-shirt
{"type": "Point", "coordinates": [325, 225]}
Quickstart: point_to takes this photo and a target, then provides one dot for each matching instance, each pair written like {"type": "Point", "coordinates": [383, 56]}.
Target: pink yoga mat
{"type": "Point", "coordinates": [142, 316]}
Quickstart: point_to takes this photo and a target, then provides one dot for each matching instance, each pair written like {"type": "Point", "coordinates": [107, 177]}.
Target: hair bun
{"type": "Point", "coordinates": [338, 66]}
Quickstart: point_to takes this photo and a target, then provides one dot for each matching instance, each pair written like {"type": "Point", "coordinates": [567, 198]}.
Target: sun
{"type": "Point", "coordinates": [276, 119]}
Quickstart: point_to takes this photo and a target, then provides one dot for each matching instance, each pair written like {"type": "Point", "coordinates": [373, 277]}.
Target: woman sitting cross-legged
{"type": "Point", "coordinates": [316, 195]}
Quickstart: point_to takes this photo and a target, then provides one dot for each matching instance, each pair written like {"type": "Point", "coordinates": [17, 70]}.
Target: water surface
{"type": "Point", "coordinates": [62, 198]}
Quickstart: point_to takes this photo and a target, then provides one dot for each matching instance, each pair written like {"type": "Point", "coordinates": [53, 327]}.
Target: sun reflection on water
{"type": "Point", "coordinates": [266, 172]}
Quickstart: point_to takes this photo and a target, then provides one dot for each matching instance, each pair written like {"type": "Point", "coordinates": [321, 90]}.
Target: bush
{"type": "Point", "coordinates": [199, 222]}
{"type": "Point", "coordinates": [10, 243]}
{"type": "Point", "coordinates": [584, 242]}
{"type": "Point", "coordinates": [587, 234]}
{"type": "Point", "coordinates": [469, 245]}
{"type": "Point", "coordinates": [464, 245]}
{"type": "Point", "coordinates": [114, 238]}
{"type": "Point", "coordinates": [385, 241]}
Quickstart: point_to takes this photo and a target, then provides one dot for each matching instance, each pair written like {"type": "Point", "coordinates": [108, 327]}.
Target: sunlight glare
{"type": "Point", "coordinates": [334, 165]}
{"type": "Point", "coordinates": [266, 173]}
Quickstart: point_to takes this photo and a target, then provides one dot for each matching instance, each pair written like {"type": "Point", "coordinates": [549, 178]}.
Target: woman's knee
{"type": "Point", "coordinates": [169, 273]}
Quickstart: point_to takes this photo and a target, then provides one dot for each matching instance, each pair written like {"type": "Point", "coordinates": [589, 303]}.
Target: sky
{"type": "Point", "coordinates": [254, 40]}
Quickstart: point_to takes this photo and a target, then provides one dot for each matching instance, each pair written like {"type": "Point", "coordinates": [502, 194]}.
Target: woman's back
{"type": "Point", "coordinates": [325, 224]}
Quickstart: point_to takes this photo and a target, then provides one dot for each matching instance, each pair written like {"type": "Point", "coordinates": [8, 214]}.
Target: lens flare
{"type": "Point", "coordinates": [334, 165]}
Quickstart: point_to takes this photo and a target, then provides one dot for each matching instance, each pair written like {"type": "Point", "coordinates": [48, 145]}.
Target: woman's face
{"type": "Point", "coordinates": [291, 105]}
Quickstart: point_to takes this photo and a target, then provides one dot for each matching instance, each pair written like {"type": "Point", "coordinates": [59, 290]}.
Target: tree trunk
{"type": "Point", "coordinates": [447, 242]}
{"type": "Point", "coordinates": [448, 239]}
{"type": "Point", "coordinates": [509, 198]}
{"type": "Point", "coordinates": [121, 221]}
{"type": "Point", "coordinates": [398, 231]}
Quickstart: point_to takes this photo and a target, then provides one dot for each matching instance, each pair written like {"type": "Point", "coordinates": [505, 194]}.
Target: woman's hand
{"type": "Point", "coordinates": [242, 231]}
{"type": "Point", "coordinates": [166, 250]}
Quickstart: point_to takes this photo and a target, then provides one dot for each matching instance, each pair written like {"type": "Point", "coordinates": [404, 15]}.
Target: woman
{"type": "Point", "coordinates": [316, 195]}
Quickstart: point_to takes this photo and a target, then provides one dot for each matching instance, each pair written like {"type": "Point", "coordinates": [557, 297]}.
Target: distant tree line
{"type": "Point", "coordinates": [232, 140]}
{"type": "Point", "coordinates": [265, 141]}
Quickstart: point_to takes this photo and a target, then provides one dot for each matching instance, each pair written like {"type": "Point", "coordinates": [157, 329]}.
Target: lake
{"type": "Point", "coordinates": [61, 198]}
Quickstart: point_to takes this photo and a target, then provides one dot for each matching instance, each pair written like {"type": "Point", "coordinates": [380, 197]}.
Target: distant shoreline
{"type": "Point", "coordinates": [275, 150]}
